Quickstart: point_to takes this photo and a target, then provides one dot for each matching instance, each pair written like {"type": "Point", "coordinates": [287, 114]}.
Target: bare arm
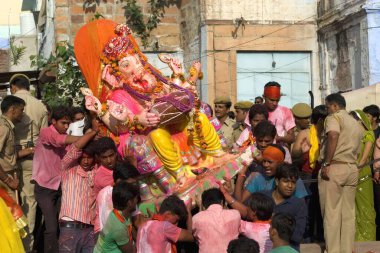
{"type": "Point", "coordinates": [288, 138]}
{"type": "Point", "coordinates": [83, 140]}
{"type": "Point", "coordinates": [241, 177]}
{"type": "Point", "coordinates": [235, 204]}
{"type": "Point", "coordinates": [297, 145]}
{"type": "Point", "coordinates": [25, 152]}
{"type": "Point", "coordinates": [71, 139]}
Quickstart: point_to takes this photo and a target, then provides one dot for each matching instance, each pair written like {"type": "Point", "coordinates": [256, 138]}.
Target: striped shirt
{"type": "Point", "coordinates": [78, 198]}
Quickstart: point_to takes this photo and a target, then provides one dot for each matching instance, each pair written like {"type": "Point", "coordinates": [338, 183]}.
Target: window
{"type": "Point", "coordinates": [290, 69]}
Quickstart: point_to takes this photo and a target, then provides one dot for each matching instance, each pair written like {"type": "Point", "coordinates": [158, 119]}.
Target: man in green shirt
{"type": "Point", "coordinates": [116, 236]}
{"type": "Point", "coordinates": [280, 232]}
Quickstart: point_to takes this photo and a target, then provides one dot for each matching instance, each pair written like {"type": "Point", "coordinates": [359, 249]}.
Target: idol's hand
{"type": "Point", "coordinates": [148, 119]}
{"type": "Point", "coordinates": [118, 111]}
{"type": "Point", "coordinates": [93, 104]}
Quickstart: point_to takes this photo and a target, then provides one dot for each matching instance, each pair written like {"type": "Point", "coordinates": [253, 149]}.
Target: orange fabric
{"type": "Point", "coordinates": [272, 92]}
{"type": "Point", "coordinates": [11, 203]}
{"type": "Point", "coordinates": [88, 46]}
{"type": "Point", "coordinates": [160, 217]}
{"type": "Point", "coordinates": [122, 220]}
{"type": "Point", "coordinates": [274, 154]}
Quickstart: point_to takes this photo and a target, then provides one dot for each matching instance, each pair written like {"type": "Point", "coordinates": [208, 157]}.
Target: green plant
{"type": "Point", "coordinates": [135, 18]}
{"type": "Point", "coordinates": [69, 79]}
{"type": "Point", "coordinates": [16, 52]}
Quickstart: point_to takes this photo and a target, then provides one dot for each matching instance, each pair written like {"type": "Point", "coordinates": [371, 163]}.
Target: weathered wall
{"type": "Point", "coordinates": [343, 42]}
{"type": "Point", "coordinates": [70, 16]}
{"type": "Point", "coordinates": [270, 26]}
{"type": "Point", "coordinates": [4, 60]}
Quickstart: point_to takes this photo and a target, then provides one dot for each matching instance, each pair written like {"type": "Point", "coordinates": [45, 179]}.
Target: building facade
{"type": "Point", "coordinates": [349, 34]}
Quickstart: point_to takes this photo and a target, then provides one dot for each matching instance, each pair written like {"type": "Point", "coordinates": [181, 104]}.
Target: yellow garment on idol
{"type": "Point", "coordinates": [168, 151]}
{"type": "Point", "coordinates": [10, 240]}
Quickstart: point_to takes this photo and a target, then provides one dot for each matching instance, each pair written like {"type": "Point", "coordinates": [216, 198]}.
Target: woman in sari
{"type": "Point", "coordinates": [365, 211]}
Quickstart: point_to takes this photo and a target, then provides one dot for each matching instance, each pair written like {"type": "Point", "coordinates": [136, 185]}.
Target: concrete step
{"type": "Point", "coordinates": [360, 247]}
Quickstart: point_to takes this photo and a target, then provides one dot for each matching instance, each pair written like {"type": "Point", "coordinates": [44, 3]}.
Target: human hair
{"type": "Point", "coordinates": [319, 113]}
{"type": "Point", "coordinates": [231, 114]}
{"type": "Point", "coordinates": [122, 192]}
{"type": "Point", "coordinates": [174, 205]}
{"type": "Point", "coordinates": [336, 98]}
{"type": "Point", "coordinates": [243, 244]}
{"type": "Point", "coordinates": [259, 97]}
{"type": "Point", "coordinates": [104, 144]}
{"type": "Point", "coordinates": [61, 112]}
{"type": "Point", "coordinates": [272, 83]}
{"type": "Point", "coordinates": [10, 101]}
{"type": "Point", "coordinates": [89, 149]}
{"type": "Point", "coordinates": [124, 171]}
{"type": "Point", "coordinates": [258, 109]}
{"type": "Point", "coordinates": [20, 81]}
{"type": "Point", "coordinates": [285, 225]}
{"type": "Point", "coordinates": [286, 171]}
{"type": "Point", "coordinates": [212, 196]}
{"type": "Point", "coordinates": [264, 128]}
{"type": "Point", "coordinates": [374, 111]}
{"type": "Point", "coordinates": [262, 205]}
{"type": "Point", "coordinates": [77, 109]}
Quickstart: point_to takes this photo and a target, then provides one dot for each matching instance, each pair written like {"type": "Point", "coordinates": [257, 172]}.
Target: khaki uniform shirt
{"type": "Point", "coordinates": [227, 130]}
{"type": "Point", "coordinates": [7, 144]}
{"type": "Point", "coordinates": [238, 129]}
{"type": "Point", "coordinates": [35, 118]}
{"type": "Point", "coordinates": [350, 136]}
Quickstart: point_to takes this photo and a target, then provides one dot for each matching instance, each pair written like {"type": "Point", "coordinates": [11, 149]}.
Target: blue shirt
{"type": "Point", "coordinates": [262, 183]}
{"type": "Point", "coordinates": [297, 208]}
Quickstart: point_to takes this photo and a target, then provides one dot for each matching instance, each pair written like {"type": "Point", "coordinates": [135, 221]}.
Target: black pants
{"type": "Point", "coordinates": [50, 203]}
{"type": "Point", "coordinates": [376, 190]}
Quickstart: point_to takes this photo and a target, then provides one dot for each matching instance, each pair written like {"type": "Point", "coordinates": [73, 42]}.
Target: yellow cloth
{"type": "Point", "coordinates": [314, 149]}
{"type": "Point", "coordinates": [169, 152]}
{"type": "Point", "coordinates": [10, 241]}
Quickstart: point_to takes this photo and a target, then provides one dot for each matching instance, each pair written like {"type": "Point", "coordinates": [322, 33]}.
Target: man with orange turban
{"type": "Point", "coordinates": [273, 157]}
{"type": "Point", "coordinates": [280, 116]}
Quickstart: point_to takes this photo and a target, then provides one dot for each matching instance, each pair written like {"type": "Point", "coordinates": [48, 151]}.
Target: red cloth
{"type": "Point", "coordinates": [272, 92]}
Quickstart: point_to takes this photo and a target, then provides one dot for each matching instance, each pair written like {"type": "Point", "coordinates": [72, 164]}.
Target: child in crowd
{"type": "Point", "coordinates": [258, 230]}
{"type": "Point", "coordinates": [123, 172]}
{"type": "Point", "coordinates": [116, 235]}
{"type": "Point", "coordinates": [257, 113]}
{"type": "Point", "coordinates": [215, 227]}
{"type": "Point", "coordinates": [281, 230]}
{"type": "Point", "coordinates": [272, 157]}
{"type": "Point", "coordinates": [75, 217]}
{"type": "Point", "coordinates": [243, 244]}
{"type": "Point", "coordinates": [160, 234]}
{"type": "Point", "coordinates": [106, 154]}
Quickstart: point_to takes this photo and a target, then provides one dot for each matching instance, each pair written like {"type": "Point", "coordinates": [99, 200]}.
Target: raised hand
{"type": "Point", "coordinates": [93, 104]}
{"type": "Point", "coordinates": [118, 111]}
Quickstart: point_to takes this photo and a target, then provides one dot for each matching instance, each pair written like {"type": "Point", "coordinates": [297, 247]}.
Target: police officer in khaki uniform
{"type": "Point", "coordinates": [222, 107]}
{"type": "Point", "coordinates": [301, 113]}
{"type": "Point", "coordinates": [241, 110]}
{"type": "Point", "coordinates": [339, 175]}
{"type": "Point", "coordinates": [26, 134]}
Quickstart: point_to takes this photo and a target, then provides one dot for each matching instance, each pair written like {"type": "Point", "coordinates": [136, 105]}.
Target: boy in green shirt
{"type": "Point", "coordinates": [116, 236]}
{"type": "Point", "coordinates": [280, 232]}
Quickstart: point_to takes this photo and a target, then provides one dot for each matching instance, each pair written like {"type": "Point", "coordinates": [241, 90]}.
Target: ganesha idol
{"type": "Point", "coordinates": [156, 119]}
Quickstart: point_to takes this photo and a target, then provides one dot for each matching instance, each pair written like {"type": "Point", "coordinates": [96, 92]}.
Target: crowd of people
{"type": "Point", "coordinates": [310, 175]}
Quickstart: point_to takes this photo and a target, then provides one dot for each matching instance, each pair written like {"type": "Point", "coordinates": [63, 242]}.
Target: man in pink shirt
{"type": "Point", "coordinates": [46, 174]}
{"type": "Point", "coordinates": [106, 153]}
{"type": "Point", "coordinates": [160, 234]}
{"type": "Point", "coordinates": [280, 116]}
{"type": "Point", "coordinates": [215, 227]}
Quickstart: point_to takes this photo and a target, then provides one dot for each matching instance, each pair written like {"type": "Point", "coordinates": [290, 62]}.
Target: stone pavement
{"type": "Point", "coordinates": [360, 247]}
